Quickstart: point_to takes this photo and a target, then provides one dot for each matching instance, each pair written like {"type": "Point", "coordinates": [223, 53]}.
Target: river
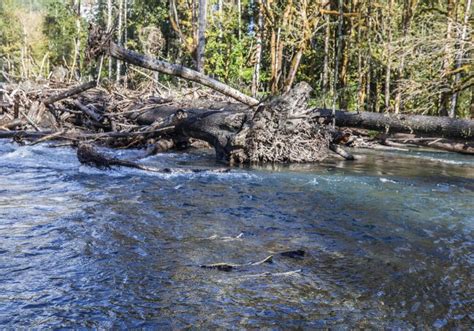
{"type": "Point", "coordinates": [388, 242]}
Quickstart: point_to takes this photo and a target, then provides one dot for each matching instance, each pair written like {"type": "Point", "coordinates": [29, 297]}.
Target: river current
{"type": "Point", "coordinates": [388, 242]}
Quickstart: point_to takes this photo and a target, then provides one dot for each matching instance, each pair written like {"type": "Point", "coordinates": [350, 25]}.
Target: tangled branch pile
{"type": "Point", "coordinates": [108, 115]}
{"type": "Point", "coordinates": [284, 131]}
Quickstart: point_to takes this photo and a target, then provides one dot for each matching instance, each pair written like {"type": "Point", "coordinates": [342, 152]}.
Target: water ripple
{"type": "Point", "coordinates": [388, 243]}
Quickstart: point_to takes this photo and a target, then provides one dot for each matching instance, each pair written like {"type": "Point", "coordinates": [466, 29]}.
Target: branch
{"type": "Point", "coordinates": [68, 93]}
{"type": "Point", "coordinates": [99, 42]}
{"type": "Point", "coordinates": [147, 62]}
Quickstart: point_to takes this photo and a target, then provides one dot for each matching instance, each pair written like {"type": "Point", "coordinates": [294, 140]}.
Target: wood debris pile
{"type": "Point", "coordinates": [284, 131]}
{"type": "Point", "coordinates": [108, 115]}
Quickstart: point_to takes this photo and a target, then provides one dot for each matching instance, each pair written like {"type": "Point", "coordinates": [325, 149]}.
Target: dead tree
{"type": "Point", "coordinates": [419, 124]}
{"type": "Point", "coordinates": [281, 130]}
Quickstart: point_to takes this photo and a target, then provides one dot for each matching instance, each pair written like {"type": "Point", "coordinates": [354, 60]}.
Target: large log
{"type": "Point", "coordinates": [418, 124]}
{"type": "Point", "coordinates": [278, 131]}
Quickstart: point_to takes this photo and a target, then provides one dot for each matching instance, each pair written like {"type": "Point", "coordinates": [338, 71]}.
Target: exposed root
{"type": "Point", "coordinates": [282, 131]}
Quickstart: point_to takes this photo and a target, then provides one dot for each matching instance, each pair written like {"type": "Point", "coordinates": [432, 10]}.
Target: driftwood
{"type": "Point", "coordinates": [282, 129]}
{"type": "Point", "coordinates": [364, 138]}
{"type": "Point", "coordinates": [279, 131]}
{"type": "Point", "coordinates": [89, 111]}
{"type": "Point", "coordinates": [24, 134]}
{"type": "Point", "coordinates": [450, 145]}
{"type": "Point", "coordinates": [88, 155]}
{"type": "Point", "coordinates": [224, 266]}
{"type": "Point", "coordinates": [418, 124]}
{"type": "Point", "coordinates": [84, 135]}
{"type": "Point", "coordinates": [70, 92]}
{"type": "Point", "coordinates": [12, 124]}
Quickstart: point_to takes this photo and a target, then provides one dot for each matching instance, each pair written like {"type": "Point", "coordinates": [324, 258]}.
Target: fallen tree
{"type": "Point", "coordinates": [244, 138]}
{"type": "Point", "coordinates": [99, 42]}
{"type": "Point", "coordinates": [276, 131]}
{"type": "Point", "coordinates": [419, 124]}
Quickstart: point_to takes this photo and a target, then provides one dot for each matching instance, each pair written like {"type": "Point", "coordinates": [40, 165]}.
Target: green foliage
{"type": "Point", "coordinates": [10, 35]}
{"type": "Point", "coordinates": [227, 56]}
{"type": "Point", "coordinates": [61, 31]}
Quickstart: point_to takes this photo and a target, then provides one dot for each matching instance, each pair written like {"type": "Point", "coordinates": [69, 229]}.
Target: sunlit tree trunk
{"type": "Point", "coordinates": [327, 36]}
{"type": "Point", "coordinates": [448, 57]}
{"type": "Point", "coordinates": [360, 60]}
{"type": "Point", "coordinates": [77, 46]}
{"type": "Point", "coordinates": [202, 23]}
{"type": "Point", "coordinates": [368, 59]}
{"type": "Point", "coordinates": [125, 33]}
{"type": "Point", "coordinates": [460, 56]}
{"type": "Point", "coordinates": [347, 36]}
{"type": "Point", "coordinates": [109, 27]}
{"type": "Point", "coordinates": [408, 10]}
{"type": "Point", "coordinates": [119, 38]}
{"type": "Point", "coordinates": [339, 36]}
{"type": "Point", "coordinates": [305, 36]}
{"type": "Point", "coordinates": [258, 50]}
{"type": "Point", "coordinates": [388, 50]}
{"type": "Point", "coordinates": [239, 19]}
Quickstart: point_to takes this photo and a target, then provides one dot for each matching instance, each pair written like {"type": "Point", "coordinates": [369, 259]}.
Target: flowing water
{"type": "Point", "coordinates": [388, 242]}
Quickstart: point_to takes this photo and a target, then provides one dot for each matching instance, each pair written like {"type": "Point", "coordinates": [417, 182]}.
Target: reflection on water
{"type": "Point", "coordinates": [389, 242]}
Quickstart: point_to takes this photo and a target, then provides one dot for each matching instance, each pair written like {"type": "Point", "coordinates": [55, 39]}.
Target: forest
{"type": "Point", "coordinates": [387, 56]}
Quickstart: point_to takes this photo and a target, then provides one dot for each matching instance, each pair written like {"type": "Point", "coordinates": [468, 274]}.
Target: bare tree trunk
{"type": "Point", "coordinates": [409, 8]}
{"type": "Point", "coordinates": [23, 56]}
{"type": "Point", "coordinates": [135, 58]}
{"type": "Point", "coordinates": [202, 23]}
{"type": "Point", "coordinates": [388, 50]}
{"type": "Point", "coordinates": [460, 56]}
{"type": "Point", "coordinates": [339, 36]}
{"type": "Point", "coordinates": [77, 46]}
{"type": "Point", "coordinates": [304, 40]}
{"type": "Point", "coordinates": [418, 124]}
{"type": "Point", "coordinates": [119, 38]}
{"type": "Point", "coordinates": [295, 63]}
{"type": "Point", "coordinates": [273, 58]}
{"type": "Point", "coordinates": [368, 59]}
{"type": "Point", "coordinates": [221, 13]}
{"type": "Point", "coordinates": [239, 22]}
{"type": "Point", "coordinates": [125, 33]}
{"type": "Point", "coordinates": [325, 75]}
{"type": "Point", "coordinates": [258, 50]}
{"type": "Point", "coordinates": [109, 27]}
{"type": "Point", "coordinates": [448, 55]}
{"type": "Point", "coordinates": [277, 44]}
